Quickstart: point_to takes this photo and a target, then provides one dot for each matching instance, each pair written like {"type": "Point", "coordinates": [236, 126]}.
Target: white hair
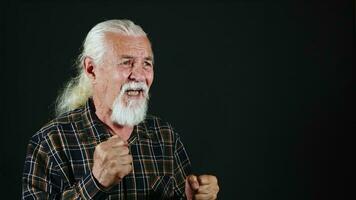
{"type": "Point", "coordinates": [77, 91]}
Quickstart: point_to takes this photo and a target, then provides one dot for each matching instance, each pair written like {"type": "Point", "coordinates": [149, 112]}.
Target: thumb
{"type": "Point", "coordinates": [191, 186]}
{"type": "Point", "coordinates": [193, 182]}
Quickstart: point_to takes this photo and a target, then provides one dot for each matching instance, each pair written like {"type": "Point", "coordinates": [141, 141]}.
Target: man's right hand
{"type": "Point", "coordinates": [112, 161]}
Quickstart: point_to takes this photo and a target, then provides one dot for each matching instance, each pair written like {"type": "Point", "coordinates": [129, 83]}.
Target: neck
{"type": "Point", "coordinates": [104, 114]}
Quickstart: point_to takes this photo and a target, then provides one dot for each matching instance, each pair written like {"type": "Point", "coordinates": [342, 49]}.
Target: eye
{"type": "Point", "coordinates": [148, 64]}
{"type": "Point", "coordinates": [126, 63]}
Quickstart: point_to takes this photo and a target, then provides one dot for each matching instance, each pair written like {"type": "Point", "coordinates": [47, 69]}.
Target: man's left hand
{"type": "Point", "coordinates": [204, 187]}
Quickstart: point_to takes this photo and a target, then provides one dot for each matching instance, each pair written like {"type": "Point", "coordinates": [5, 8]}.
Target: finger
{"type": "Point", "coordinates": [204, 189]}
{"type": "Point", "coordinates": [124, 171]}
{"type": "Point", "coordinates": [193, 182]}
{"type": "Point", "coordinates": [116, 141]}
{"type": "Point", "coordinates": [204, 197]}
{"type": "Point", "coordinates": [117, 153]}
{"type": "Point", "coordinates": [125, 160]}
{"type": "Point", "coordinates": [207, 179]}
{"type": "Point", "coordinates": [129, 168]}
{"type": "Point", "coordinates": [123, 150]}
{"type": "Point", "coordinates": [121, 143]}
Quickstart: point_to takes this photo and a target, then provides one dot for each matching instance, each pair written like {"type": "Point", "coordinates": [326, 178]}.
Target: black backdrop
{"type": "Point", "coordinates": [260, 92]}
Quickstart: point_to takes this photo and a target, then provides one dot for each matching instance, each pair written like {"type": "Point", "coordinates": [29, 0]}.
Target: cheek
{"type": "Point", "coordinates": [121, 74]}
{"type": "Point", "coordinates": [101, 83]}
{"type": "Point", "coordinates": [119, 77]}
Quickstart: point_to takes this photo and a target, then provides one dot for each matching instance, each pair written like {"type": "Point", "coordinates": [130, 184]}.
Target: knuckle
{"type": "Point", "coordinates": [119, 140]}
{"type": "Point", "coordinates": [98, 148]}
{"type": "Point", "coordinates": [210, 177]}
{"type": "Point", "coordinates": [112, 164]}
{"type": "Point", "coordinates": [111, 171]}
{"type": "Point", "coordinates": [120, 175]}
{"type": "Point", "coordinates": [125, 160]}
{"type": "Point", "coordinates": [215, 179]}
{"type": "Point", "coordinates": [125, 150]}
{"type": "Point", "coordinates": [128, 169]}
{"type": "Point", "coordinates": [214, 196]}
{"type": "Point", "coordinates": [203, 179]}
{"type": "Point", "coordinates": [123, 171]}
{"type": "Point", "coordinates": [101, 149]}
{"type": "Point", "coordinates": [103, 157]}
{"type": "Point", "coordinates": [128, 158]}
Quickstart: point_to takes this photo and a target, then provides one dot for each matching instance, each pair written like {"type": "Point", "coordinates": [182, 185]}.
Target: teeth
{"type": "Point", "coordinates": [133, 92]}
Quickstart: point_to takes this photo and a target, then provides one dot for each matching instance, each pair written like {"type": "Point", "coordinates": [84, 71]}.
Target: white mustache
{"type": "Point", "coordinates": [134, 86]}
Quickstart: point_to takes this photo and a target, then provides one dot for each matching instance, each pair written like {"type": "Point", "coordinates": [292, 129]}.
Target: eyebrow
{"type": "Point", "coordinates": [149, 58]}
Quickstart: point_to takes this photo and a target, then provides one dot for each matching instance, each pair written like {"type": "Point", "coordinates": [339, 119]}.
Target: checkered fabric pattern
{"type": "Point", "coordinates": [60, 158]}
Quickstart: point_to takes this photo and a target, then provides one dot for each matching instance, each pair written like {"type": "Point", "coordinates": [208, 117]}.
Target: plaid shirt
{"type": "Point", "coordinates": [60, 158]}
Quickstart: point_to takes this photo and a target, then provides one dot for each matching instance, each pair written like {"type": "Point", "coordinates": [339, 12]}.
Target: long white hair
{"type": "Point", "coordinates": [77, 91]}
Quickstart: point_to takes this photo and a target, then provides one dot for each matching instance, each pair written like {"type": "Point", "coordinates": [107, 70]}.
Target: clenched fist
{"type": "Point", "coordinates": [204, 187]}
{"type": "Point", "coordinates": [112, 161]}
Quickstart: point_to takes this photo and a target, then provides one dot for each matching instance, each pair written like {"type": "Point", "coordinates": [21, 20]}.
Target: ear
{"type": "Point", "coordinates": [89, 68]}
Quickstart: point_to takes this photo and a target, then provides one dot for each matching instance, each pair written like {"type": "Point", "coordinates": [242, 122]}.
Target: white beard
{"type": "Point", "coordinates": [132, 111]}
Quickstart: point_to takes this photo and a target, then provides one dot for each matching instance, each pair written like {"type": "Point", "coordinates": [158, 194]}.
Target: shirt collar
{"type": "Point", "coordinates": [98, 130]}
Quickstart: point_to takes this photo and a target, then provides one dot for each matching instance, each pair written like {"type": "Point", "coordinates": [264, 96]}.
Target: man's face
{"type": "Point", "coordinates": [128, 59]}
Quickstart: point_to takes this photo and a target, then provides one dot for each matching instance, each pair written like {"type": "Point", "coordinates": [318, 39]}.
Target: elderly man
{"type": "Point", "coordinates": [102, 145]}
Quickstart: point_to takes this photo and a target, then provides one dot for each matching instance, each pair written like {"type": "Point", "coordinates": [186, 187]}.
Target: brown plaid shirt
{"type": "Point", "coordinates": [60, 157]}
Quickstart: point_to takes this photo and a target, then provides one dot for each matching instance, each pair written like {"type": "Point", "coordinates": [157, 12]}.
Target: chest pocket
{"type": "Point", "coordinates": [153, 160]}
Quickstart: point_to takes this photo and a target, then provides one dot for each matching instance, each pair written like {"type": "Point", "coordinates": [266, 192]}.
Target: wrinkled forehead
{"type": "Point", "coordinates": [135, 46]}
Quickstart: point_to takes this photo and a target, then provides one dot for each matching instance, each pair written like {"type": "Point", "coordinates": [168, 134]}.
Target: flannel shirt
{"type": "Point", "coordinates": [59, 160]}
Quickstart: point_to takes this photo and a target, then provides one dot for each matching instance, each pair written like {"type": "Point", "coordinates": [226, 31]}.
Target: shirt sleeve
{"type": "Point", "coordinates": [42, 179]}
{"type": "Point", "coordinates": [182, 168]}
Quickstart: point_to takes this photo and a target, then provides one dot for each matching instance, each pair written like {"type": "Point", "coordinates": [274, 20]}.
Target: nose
{"type": "Point", "coordinates": [137, 73]}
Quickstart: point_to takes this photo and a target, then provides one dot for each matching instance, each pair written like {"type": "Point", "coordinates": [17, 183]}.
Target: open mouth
{"type": "Point", "coordinates": [134, 92]}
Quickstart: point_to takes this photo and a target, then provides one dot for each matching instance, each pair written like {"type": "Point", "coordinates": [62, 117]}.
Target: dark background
{"type": "Point", "coordinates": [261, 92]}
